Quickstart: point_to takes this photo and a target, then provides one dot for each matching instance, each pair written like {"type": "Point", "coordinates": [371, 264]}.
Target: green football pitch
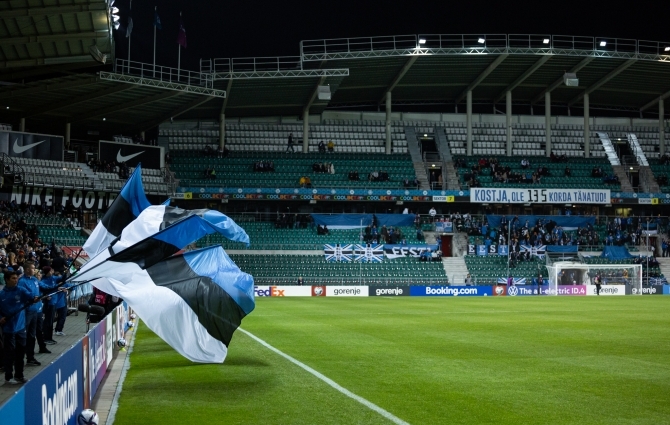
{"type": "Point", "coordinates": [544, 360]}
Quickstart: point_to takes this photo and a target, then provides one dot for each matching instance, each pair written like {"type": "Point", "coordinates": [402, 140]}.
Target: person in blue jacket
{"type": "Point", "coordinates": [60, 305]}
{"type": "Point", "coordinates": [48, 285]}
{"type": "Point", "coordinates": [13, 300]}
{"type": "Point", "coordinates": [34, 316]}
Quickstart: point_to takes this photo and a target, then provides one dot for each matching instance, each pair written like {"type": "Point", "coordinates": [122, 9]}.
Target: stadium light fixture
{"type": "Point", "coordinates": [422, 41]}
{"type": "Point", "coordinates": [603, 43]}
{"type": "Point", "coordinates": [104, 119]}
{"type": "Point", "coordinates": [667, 49]}
{"type": "Point", "coordinates": [545, 41]}
{"type": "Point", "coordinates": [481, 40]}
{"type": "Point", "coordinates": [114, 10]}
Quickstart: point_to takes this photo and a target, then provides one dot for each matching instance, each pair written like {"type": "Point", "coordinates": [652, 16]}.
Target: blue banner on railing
{"type": "Point", "coordinates": [401, 251]}
{"type": "Point", "coordinates": [444, 227]}
{"type": "Point", "coordinates": [450, 291]}
{"type": "Point", "coordinates": [367, 253]}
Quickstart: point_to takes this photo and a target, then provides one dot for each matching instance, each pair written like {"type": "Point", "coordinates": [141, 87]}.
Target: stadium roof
{"type": "Point", "coordinates": [629, 75]}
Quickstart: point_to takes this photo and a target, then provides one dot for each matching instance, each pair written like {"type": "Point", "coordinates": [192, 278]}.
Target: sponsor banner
{"type": "Point", "coordinates": [572, 290]}
{"type": "Point", "coordinates": [644, 201]}
{"type": "Point", "coordinates": [646, 290]}
{"type": "Point", "coordinates": [666, 289]}
{"type": "Point", "coordinates": [540, 196]}
{"type": "Point", "coordinates": [97, 352]}
{"type": "Point", "coordinates": [85, 372]}
{"type": "Point", "coordinates": [347, 291]}
{"type": "Point", "coordinates": [131, 154]}
{"type": "Point", "coordinates": [318, 291]}
{"type": "Point", "coordinates": [56, 394]}
{"type": "Point", "coordinates": [13, 411]}
{"type": "Point", "coordinates": [499, 291]}
{"type": "Point", "coordinates": [520, 291]}
{"type": "Point", "coordinates": [262, 291]}
{"type": "Point", "coordinates": [388, 291]}
{"type": "Point", "coordinates": [606, 290]}
{"type": "Point", "coordinates": [291, 291]}
{"type": "Point", "coordinates": [450, 291]}
{"type": "Point", "coordinates": [400, 251]}
{"type": "Point", "coordinates": [29, 145]}
{"type": "Point", "coordinates": [442, 198]}
{"type": "Point", "coordinates": [49, 196]}
{"type": "Point", "coordinates": [109, 340]}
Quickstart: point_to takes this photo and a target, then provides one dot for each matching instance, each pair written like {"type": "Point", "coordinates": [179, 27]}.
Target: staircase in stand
{"type": "Point", "coordinates": [455, 269]}
{"type": "Point", "coordinates": [664, 265]}
{"type": "Point", "coordinates": [97, 183]}
{"type": "Point", "coordinates": [621, 171]}
{"type": "Point", "coordinates": [417, 159]}
{"type": "Point", "coordinates": [449, 173]}
{"type": "Point", "coordinates": [609, 149]}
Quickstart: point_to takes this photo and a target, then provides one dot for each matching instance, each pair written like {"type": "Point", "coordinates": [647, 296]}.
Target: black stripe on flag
{"type": "Point", "coordinates": [118, 216]}
{"type": "Point", "coordinates": [216, 310]}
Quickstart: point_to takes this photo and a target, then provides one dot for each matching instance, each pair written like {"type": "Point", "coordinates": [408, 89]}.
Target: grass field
{"type": "Point", "coordinates": [545, 360]}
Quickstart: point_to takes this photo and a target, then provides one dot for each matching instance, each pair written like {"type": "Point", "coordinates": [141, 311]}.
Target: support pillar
{"type": "Point", "coordinates": [468, 121]}
{"type": "Point", "coordinates": [508, 112]}
{"type": "Point", "coordinates": [661, 126]}
{"type": "Point", "coordinates": [142, 136]}
{"type": "Point", "coordinates": [305, 131]}
{"type": "Point", "coordinates": [22, 124]}
{"type": "Point", "coordinates": [222, 131]}
{"type": "Point", "coordinates": [547, 122]}
{"type": "Point", "coordinates": [587, 128]}
{"type": "Point", "coordinates": [67, 135]}
{"type": "Point", "coordinates": [388, 123]}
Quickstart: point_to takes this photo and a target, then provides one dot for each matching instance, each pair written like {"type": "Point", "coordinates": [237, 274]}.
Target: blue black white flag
{"type": "Point", "coordinates": [338, 252]}
{"type": "Point", "coordinates": [194, 301]}
{"type": "Point", "coordinates": [517, 281]}
{"type": "Point", "coordinates": [369, 253]}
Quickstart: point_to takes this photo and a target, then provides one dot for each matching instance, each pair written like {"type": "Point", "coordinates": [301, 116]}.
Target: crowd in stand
{"type": "Point", "coordinates": [29, 269]}
{"type": "Point", "coordinates": [102, 166]}
{"type": "Point", "coordinates": [378, 176]}
{"type": "Point", "coordinates": [215, 153]}
{"type": "Point", "coordinates": [323, 167]}
{"type": "Point", "coordinates": [74, 216]}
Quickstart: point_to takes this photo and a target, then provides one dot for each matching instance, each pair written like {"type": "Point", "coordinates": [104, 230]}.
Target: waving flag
{"type": "Point", "coordinates": [194, 301]}
{"type": "Point", "coordinates": [338, 252]}
{"type": "Point", "coordinates": [125, 208]}
{"type": "Point", "coordinates": [517, 281]}
{"type": "Point", "coordinates": [181, 36]}
{"type": "Point", "coordinates": [157, 20]}
{"type": "Point", "coordinates": [537, 251]}
{"type": "Point", "coordinates": [161, 231]}
{"type": "Point", "coordinates": [129, 28]}
{"type": "Point", "coordinates": [369, 253]}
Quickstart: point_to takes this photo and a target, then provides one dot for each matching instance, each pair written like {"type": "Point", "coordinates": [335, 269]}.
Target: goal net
{"type": "Point", "coordinates": [613, 277]}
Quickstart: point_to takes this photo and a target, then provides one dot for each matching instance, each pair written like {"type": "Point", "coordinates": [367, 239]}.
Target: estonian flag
{"type": "Point", "coordinates": [125, 208]}
{"type": "Point", "coordinates": [161, 231]}
{"type": "Point", "coordinates": [194, 301]}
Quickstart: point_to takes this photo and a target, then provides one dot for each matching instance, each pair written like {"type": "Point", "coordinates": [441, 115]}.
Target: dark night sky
{"type": "Point", "coordinates": [218, 29]}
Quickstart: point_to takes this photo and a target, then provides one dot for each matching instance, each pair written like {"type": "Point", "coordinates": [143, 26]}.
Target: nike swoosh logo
{"type": "Point", "coordinates": [120, 158]}
{"type": "Point", "coordinates": [21, 149]}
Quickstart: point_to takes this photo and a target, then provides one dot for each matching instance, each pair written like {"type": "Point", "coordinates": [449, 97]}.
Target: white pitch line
{"type": "Point", "coordinates": [338, 387]}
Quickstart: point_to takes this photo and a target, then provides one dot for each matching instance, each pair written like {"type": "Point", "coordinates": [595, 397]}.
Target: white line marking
{"type": "Point", "coordinates": [338, 387]}
{"type": "Point", "coordinates": [111, 417]}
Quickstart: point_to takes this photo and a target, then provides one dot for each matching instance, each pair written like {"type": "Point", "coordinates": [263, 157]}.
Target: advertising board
{"type": "Point", "coordinates": [149, 156]}
{"type": "Point", "coordinates": [606, 290]}
{"type": "Point", "coordinates": [346, 291]}
{"type": "Point", "coordinates": [318, 291]}
{"type": "Point", "coordinates": [291, 291]}
{"type": "Point", "coordinates": [450, 291]}
{"type": "Point", "coordinates": [388, 291]}
{"type": "Point", "coordinates": [34, 146]}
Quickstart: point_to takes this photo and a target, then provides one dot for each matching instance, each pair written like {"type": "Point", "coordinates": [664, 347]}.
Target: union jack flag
{"type": "Point", "coordinates": [517, 281]}
{"type": "Point", "coordinates": [338, 252]}
{"type": "Point", "coordinates": [537, 251]}
{"type": "Point", "coordinates": [369, 253]}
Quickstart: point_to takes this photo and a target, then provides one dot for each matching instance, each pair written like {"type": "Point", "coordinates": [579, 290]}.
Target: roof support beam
{"type": "Point", "coordinates": [76, 100]}
{"type": "Point", "coordinates": [482, 76]}
{"type": "Point", "coordinates": [225, 101]}
{"type": "Point", "coordinates": [523, 77]}
{"type": "Point", "coordinates": [655, 101]}
{"type": "Point", "coordinates": [558, 82]}
{"type": "Point", "coordinates": [125, 105]}
{"type": "Point", "coordinates": [398, 77]}
{"type": "Point", "coordinates": [315, 93]}
{"type": "Point", "coordinates": [47, 88]}
{"type": "Point", "coordinates": [53, 38]}
{"type": "Point", "coordinates": [56, 10]}
{"type": "Point", "coordinates": [175, 113]}
{"type": "Point", "coordinates": [621, 68]}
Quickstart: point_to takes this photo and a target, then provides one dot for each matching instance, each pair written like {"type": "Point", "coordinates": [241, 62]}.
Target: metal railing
{"type": "Point", "coordinates": [351, 280]}
{"type": "Point", "coordinates": [261, 64]}
{"type": "Point", "coordinates": [48, 180]}
{"type": "Point", "coordinates": [162, 73]}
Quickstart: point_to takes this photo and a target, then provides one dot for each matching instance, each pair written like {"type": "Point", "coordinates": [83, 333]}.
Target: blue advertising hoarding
{"type": "Point", "coordinates": [450, 291]}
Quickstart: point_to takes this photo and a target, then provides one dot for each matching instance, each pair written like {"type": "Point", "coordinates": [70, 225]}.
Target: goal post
{"type": "Point", "coordinates": [576, 273]}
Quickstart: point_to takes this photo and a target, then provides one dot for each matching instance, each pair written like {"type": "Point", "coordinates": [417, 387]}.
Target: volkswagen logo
{"type": "Point", "coordinates": [512, 291]}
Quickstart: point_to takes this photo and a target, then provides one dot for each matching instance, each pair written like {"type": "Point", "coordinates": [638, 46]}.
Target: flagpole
{"type": "Point", "coordinates": [155, 12]}
{"type": "Point", "coordinates": [130, 34]}
{"type": "Point", "coordinates": [179, 47]}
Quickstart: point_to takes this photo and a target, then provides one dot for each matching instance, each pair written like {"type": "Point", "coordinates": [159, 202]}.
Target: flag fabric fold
{"type": "Point", "coordinates": [129, 28]}
{"type": "Point", "coordinates": [157, 20]}
{"type": "Point", "coordinates": [193, 301]}
{"type": "Point", "coordinates": [125, 208]}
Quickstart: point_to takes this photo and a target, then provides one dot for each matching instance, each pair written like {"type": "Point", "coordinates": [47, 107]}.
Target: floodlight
{"type": "Point", "coordinates": [545, 41]}
{"type": "Point", "coordinates": [425, 135]}
{"type": "Point", "coordinates": [116, 24]}
{"type": "Point", "coordinates": [422, 41]}
{"type": "Point", "coordinates": [667, 49]}
{"type": "Point", "coordinates": [104, 119]}
{"type": "Point", "coordinates": [8, 107]}
{"type": "Point", "coordinates": [481, 40]}
{"type": "Point", "coordinates": [603, 43]}
{"type": "Point", "coordinates": [114, 10]}
{"type": "Point", "coordinates": [115, 18]}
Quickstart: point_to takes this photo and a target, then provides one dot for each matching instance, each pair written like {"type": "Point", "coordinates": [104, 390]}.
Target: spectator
{"type": "Point", "coordinates": [13, 298]}
{"type": "Point", "coordinates": [432, 213]}
{"type": "Point", "coordinates": [331, 146]}
{"type": "Point", "coordinates": [48, 285]}
{"type": "Point", "coordinates": [567, 172]}
{"type": "Point", "coordinates": [322, 147]}
{"type": "Point", "coordinates": [34, 315]}
{"type": "Point", "coordinates": [290, 143]}
{"type": "Point", "coordinates": [525, 164]}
